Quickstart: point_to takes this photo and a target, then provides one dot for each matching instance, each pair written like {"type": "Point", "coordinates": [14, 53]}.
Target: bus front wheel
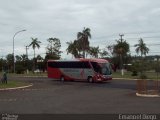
{"type": "Point", "coordinates": [62, 79]}
{"type": "Point", "coordinates": [90, 80]}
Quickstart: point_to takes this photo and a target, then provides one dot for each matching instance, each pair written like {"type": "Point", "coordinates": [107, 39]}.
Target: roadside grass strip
{"type": "Point", "coordinates": [11, 85]}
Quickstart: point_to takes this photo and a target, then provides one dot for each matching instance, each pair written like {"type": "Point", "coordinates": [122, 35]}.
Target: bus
{"type": "Point", "coordinates": [91, 70]}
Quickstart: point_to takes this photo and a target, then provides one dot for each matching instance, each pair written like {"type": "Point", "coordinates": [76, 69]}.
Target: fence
{"type": "Point", "coordinates": [148, 87]}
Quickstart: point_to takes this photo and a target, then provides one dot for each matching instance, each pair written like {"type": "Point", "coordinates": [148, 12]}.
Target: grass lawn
{"type": "Point", "coordinates": [127, 74]}
{"type": "Point", "coordinates": [12, 84]}
{"type": "Point", "coordinates": [29, 74]}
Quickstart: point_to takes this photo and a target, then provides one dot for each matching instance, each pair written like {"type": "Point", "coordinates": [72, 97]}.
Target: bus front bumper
{"type": "Point", "coordinates": [104, 78]}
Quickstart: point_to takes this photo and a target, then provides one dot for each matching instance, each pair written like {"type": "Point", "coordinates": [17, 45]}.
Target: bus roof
{"type": "Point", "coordinates": [94, 60]}
{"type": "Point", "coordinates": [82, 59]}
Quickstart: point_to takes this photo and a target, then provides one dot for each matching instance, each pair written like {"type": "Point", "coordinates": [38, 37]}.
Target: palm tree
{"type": "Point", "coordinates": [103, 53]}
{"type": "Point", "coordinates": [121, 48]}
{"type": "Point", "coordinates": [35, 43]}
{"type": "Point", "coordinates": [141, 47]}
{"type": "Point", "coordinates": [83, 38]}
{"type": "Point", "coordinates": [94, 51]}
{"type": "Point", "coordinates": [74, 48]}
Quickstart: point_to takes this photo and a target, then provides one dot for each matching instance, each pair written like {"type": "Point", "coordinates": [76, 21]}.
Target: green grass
{"type": "Point", "coordinates": [30, 74]}
{"type": "Point", "coordinates": [150, 75]}
{"type": "Point", "coordinates": [13, 84]}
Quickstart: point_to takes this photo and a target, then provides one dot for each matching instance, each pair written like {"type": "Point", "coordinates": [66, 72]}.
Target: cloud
{"type": "Point", "coordinates": [64, 18]}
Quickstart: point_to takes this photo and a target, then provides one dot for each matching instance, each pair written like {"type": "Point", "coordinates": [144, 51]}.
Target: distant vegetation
{"type": "Point", "coordinates": [118, 54]}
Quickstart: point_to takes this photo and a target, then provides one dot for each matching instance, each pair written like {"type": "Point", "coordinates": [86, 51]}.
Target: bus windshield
{"type": "Point", "coordinates": [102, 68]}
{"type": "Point", "coordinates": [105, 68]}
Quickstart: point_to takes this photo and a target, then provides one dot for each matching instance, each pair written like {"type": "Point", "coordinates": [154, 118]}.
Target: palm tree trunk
{"type": "Point", "coordinates": [83, 53]}
{"type": "Point", "coordinates": [83, 47]}
{"type": "Point", "coordinates": [34, 64]}
{"type": "Point", "coordinates": [121, 60]}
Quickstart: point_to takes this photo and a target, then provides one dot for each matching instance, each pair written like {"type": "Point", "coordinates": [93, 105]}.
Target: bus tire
{"type": "Point", "coordinates": [90, 80]}
{"type": "Point", "coordinates": [62, 79]}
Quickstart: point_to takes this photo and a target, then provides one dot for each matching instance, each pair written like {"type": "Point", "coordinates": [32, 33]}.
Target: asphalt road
{"type": "Point", "coordinates": [51, 97]}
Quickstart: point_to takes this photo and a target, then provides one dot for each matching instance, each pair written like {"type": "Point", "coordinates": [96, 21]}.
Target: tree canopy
{"type": "Point", "coordinates": [83, 38]}
{"type": "Point", "coordinates": [141, 48]}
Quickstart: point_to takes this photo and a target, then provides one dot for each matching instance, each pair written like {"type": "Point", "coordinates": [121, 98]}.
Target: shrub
{"type": "Point", "coordinates": [20, 69]}
{"type": "Point", "coordinates": [143, 76]}
{"type": "Point", "coordinates": [134, 73]}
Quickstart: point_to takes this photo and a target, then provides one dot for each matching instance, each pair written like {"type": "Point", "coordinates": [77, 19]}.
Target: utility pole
{"type": "Point", "coordinates": [14, 63]}
{"type": "Point", "coordinates": [27, 57]}
{"type": "Point", "coordinates": [121, 58]}
{"type": "Point", "coordinates": [27, 51]}
{"type": "Point", "coordinates": [121, 35]}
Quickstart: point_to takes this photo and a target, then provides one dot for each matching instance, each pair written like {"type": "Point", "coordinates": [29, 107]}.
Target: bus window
{"type": "Point", "coordinates": [69, 64]}
{"type": "Point", "coordinates": [96, 67]}
{"type": "Point", "coordinates": [106, 68]}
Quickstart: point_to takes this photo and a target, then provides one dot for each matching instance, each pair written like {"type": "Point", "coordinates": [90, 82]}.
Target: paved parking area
{"type": "Point", "coordinates": [52, 97]}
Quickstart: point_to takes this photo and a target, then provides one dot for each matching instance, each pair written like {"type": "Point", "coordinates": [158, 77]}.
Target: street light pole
{"type": "Point", "coordinates": [13, 48]}
{"type": "Point", "coordinates": [121, 57]}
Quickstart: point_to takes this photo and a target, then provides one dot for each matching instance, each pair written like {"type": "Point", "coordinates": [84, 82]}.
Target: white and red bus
{"type": "Point", "coordinates": [92, 70]}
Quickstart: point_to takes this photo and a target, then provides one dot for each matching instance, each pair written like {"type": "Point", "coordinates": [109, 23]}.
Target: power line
{"type": "Point", "coordinates": [148, 45]}
{"type": "Point", "coordinates": [145, 32]}
{"type": "Point", "coordinates": [104, 41]}
{"type": "Point", "coordinates": [145, 37]}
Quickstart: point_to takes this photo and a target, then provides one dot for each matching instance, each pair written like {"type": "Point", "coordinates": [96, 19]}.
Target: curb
{"type": "Point", "coordinates": [35, 76]}
{"type": "Point", "coordinates": [146, 95]}
{"type": "Point", "coordinates": [3, 89]}
{"type": "Point", "coordinates": [131, 79]}
{"type": "Point", "coordinates": [124, 79]}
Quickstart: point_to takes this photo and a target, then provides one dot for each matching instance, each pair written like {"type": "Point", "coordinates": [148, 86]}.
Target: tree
{"type": "Point", "coordinates": [107, 51]}
{"type": "Point", "coordinates": [18, 58]}
{"type": "Point", "coordinates": [103, 53]}
{"type": "Point", "coordinates": [53, 48]}
{"type": "Point", "coordinates": [141, 47]}
{"type": "Point", "coordinates": [35, 44]}
{"type": "Point", "coordinates": [3, 64]}
{"type": "Point", "coordinates": [40, 63]}
{"type": "Point", "coordinates": [24, 60]}
{"type": "Point", "coordinates": [121, 50]}
{"type": "Point", "coordinates": [9, 61]}
{"type": "Point", "coordinates": [21, 63]}
{"type": "Point", "coordinates": [74, 48]}
{"type": "Point", "coordinates": [94, 51]}
{"type": "Point", "coordinates": [83, 37]}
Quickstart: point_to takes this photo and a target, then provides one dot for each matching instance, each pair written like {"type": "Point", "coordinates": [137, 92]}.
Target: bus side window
{"type": "Point", "coordinates": [86, 65]}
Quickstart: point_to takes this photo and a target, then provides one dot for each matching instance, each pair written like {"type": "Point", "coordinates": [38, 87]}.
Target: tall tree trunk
{"type": "Point", "coordinates": [34, 64]}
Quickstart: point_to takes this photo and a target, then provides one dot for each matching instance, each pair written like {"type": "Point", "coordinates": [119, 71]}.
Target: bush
{"type": "Point", "coordinates": [20, 69]}
{"type": "Point", "coordinates": [134, 73]}
{"type": "Point", "coordinates": [143, 76]}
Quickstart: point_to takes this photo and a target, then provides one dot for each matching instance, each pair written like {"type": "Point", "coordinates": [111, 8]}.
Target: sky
{"type": "Point", "coordinates": [62, 19]}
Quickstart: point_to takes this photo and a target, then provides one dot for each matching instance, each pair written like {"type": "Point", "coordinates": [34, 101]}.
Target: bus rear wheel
{"type": "Point", "coordinates": [90, 80]}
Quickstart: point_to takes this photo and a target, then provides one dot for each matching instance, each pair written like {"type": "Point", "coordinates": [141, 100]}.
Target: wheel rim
{"type": "Point", "coordinates": [62, 79]}
{"type": "Point", "coordinates": [90, 80]}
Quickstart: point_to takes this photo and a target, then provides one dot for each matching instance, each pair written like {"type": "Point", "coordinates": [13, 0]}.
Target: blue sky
{"type": "Point", "coordinates": [64, 18]}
